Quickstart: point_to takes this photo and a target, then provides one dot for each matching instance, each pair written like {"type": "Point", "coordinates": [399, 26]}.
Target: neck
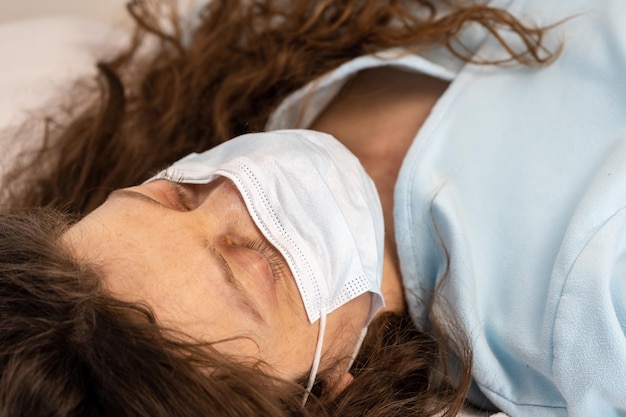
{"type": "Point", "coordinates": [377, 115]}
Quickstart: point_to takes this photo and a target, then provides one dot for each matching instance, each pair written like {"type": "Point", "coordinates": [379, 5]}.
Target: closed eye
{"type": "Point", "coordinates": [273, 257]}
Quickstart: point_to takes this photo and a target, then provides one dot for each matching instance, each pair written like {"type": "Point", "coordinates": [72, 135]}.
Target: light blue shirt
{"type": "Point", "coordinates": [524, 173]}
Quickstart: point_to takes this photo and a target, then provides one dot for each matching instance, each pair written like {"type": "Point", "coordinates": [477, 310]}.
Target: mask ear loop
{"type": "Point", "coordinates": [357, 348]}
{"type": "Point", "coordinates": [317, 358]}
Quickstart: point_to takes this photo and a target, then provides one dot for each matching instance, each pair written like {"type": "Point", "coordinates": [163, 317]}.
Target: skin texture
{"type": "Point", "coordinates": [178, 268]}
{"type": "Point", "coordinates": [252, 308]}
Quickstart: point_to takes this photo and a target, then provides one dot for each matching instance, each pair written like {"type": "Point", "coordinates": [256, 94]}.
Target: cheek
{"type": "Point", "coordinates": [193, 298]}
{"type": "Point", "coordinates": [195, 307]}
{"type": "Point", "coordinates": [297, 333]}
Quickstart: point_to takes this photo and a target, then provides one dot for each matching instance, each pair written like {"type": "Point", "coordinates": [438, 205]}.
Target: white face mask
{"type": "Point", "coordinates": [312, 200]}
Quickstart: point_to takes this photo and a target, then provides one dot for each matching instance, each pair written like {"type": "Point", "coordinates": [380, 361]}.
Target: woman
{"type": "Point", "coordinates": [109, 316]}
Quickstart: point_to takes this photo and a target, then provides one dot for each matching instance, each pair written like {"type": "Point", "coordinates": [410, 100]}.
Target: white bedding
{"type": "Point", "coordinates": [40, 59]}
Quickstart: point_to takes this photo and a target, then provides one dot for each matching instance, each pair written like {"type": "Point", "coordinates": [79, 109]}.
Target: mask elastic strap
{"type": "Point", "coordinates": [317, 358]}
{"type": "Point", "coordinates": [357, 348]}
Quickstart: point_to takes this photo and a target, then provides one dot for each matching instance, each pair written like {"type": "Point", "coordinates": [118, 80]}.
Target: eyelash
{"type": "Point", "coordinates": [268, 252]}
{"type": "Point", "coordinates": [182, 194]}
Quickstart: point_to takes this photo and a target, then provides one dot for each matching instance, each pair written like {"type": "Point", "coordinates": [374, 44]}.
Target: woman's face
{"type": "Point", "coordinates": [193, 253]}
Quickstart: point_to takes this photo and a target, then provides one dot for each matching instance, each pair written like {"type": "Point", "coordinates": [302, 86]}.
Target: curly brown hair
{"type": "Point", "coordinates": [67, 348]}
{"type": "Point", "coordinates": [223, 78]}
{"type": "Point", "coordinates": [70, 349]}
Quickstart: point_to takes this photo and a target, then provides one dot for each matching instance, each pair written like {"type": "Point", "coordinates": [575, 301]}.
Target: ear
{"type": "Point", "coordinates": [343, 382]}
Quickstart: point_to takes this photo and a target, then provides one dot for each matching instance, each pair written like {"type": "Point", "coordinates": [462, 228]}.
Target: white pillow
{"type": "Point", "coordinates": [39, 61]}
{"type": "Point", "coordinates": [40, 57]}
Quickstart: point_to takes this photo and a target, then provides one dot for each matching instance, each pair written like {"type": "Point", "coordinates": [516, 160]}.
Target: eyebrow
{"type": "Point", "coordinates": [246, 301]}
